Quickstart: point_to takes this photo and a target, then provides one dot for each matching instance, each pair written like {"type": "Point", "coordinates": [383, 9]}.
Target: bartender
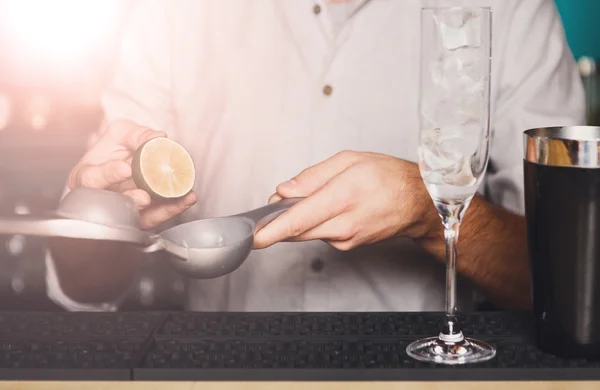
{"type": "Point", "coordinates": [257, 91]}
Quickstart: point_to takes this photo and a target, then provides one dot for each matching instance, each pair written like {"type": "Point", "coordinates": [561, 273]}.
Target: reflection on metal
{"type": "Point", "coordinates": [573, 146]}
{"type": "Point", "coordinates": [588, 70]}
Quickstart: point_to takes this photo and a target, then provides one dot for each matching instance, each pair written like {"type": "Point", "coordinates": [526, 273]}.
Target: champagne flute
{"type": "Point", "coordinates": [453, 148]}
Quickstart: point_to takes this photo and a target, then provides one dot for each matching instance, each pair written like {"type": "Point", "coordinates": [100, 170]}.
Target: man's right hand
{"type": "Point", "coordinates": [107, 165]}
{"type": "Point", "coordinates": [94, 271]}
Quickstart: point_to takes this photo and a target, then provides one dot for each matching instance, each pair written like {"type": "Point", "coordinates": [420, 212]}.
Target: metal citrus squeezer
{"type": "Point", "coordinates": [201, 249]}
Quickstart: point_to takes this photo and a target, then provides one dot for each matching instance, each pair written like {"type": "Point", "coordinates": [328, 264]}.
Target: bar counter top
{"type": "Point", "coordinates": [268, 350]}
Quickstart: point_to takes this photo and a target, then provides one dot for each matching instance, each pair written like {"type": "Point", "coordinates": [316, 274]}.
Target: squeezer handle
{"type": "Point", "coordinates": [266, 214]}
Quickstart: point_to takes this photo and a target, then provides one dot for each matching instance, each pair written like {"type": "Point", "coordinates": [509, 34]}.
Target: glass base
{"type": "Point", "coordinates": [434, 350]}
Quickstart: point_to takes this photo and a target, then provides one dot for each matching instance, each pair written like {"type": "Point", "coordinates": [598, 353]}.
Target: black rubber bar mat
{"type": "Point", "coordinates": [263, 346]}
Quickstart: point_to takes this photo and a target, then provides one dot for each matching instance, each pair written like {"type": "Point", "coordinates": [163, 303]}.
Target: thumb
{"type": "Point", "coordinates": [136, 136]}
{"type": "Point", "coordinates": [128, 134]}
{"type": "Point", "coordinates": [315, 177]}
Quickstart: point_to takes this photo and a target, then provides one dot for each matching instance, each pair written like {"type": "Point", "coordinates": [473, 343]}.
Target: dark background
{"type": "Point", "coordinates": [55, 57]}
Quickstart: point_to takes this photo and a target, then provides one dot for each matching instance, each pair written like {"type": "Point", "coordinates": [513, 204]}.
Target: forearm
{"type": "Point", "coordinates": [94, 271]}
{"type": "Point", "coordinates": [492, 253]}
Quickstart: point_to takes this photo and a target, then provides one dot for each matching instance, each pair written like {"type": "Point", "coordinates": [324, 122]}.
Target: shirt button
{"type": "Point", "coordinates": [327, 90]}
{"type": "Point", "coordinates": [317, 9]}
{"type": "Point", "coordinates": [317, 265]}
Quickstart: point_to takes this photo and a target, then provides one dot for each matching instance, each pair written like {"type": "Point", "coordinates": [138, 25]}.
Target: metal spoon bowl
{"type": "Point", "coordinates": [209, 248]}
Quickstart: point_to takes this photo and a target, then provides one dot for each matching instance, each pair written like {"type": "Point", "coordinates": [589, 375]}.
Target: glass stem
{"type": "Point", "coordinates": [452, 332]}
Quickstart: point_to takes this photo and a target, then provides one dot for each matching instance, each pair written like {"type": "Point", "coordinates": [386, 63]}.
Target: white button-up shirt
{"type": "Point", "coordinates": [259, 90]}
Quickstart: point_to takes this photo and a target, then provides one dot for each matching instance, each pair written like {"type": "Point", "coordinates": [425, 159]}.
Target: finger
{"type": "Point", "coordinates": [323, 205]}
{"type": "Point", "coordinates": [100, 176]}
{"type": "Point", "coordinates": [274, 198]}
{"type": "Point", "coordinates": [93, 140]}
{"type": "Point", "coordinates": [157, 214]}
{"type": "Point", "coordinates": [313, 178]}
{"type": "Point", "coordinates": [343, 245]}
{"type": "Point", "coordinates": [340, 228]}
{"type": "Point", "coordinates": [140, 197]}
{"type": "Point", "coordinates": [122, 187]}
{"type": "Point", "coordinates": [137, 135]}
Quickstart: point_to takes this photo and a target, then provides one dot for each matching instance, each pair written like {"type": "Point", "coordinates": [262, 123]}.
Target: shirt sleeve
{"type": "Point", "coordinates": [139, 92]}
{"type": "Point", "coordinates": [537, 85]}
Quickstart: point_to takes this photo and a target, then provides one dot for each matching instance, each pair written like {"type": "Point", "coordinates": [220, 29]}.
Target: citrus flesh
{"type": "Point", "coordinates": [163, 168]}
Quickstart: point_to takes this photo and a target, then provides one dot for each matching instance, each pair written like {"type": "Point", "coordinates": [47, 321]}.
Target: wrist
{"type": "Point", "coordinates": [427, 224]}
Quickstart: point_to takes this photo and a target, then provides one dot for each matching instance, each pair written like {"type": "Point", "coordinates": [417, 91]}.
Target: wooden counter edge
{"type": "Point", "coordinates": [467, 385]}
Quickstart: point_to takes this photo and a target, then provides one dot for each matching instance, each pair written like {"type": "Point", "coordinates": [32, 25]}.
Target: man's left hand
{"type": "Point", "coordinates": [353, 199]}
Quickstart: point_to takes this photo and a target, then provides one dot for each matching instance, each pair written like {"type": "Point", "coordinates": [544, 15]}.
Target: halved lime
{"type": "Point", "coordinates": [163, 168]}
